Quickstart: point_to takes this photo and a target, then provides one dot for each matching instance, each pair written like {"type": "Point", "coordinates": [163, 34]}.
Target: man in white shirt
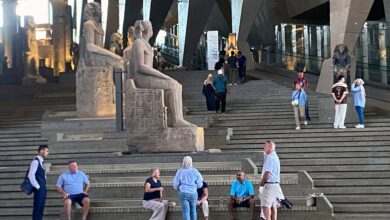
{"type": "Point", "coordinates": [37, 177]}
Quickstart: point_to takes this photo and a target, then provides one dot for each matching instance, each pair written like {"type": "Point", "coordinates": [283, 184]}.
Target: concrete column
{"type": "Point", "coordinates": [326, 35]}
{"type": "Point", "coordinates": [9, 28]}
{"type": "Point", "coordinates": [383, 52]}
{"type": "Point", "coordinates": [250, 8]}
{"type": "Point", "coordinates": [347, 18]}
{"type": "Point", "coordinates": [158, 12]}
{"type": "Point", "coordinates": [60, 8]}
{"type": "Point", "coordinates": [306, 40]}
{"type": "Point", "coordinates": [133, 9]}
{"type": "Point", "coordinates": [198, 15]}
{"type": "Point", "coordinates": [365, 53]}
{"type": "Point", "coordinates": [112, 24]}
{"type": "Point", "coordinates": [386, 5]}
{"type": "Point", "coordinates": [283, 37]}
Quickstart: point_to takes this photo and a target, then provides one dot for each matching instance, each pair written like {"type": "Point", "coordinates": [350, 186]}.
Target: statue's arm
{"type": "Point", "coordinates": [28, 42]}
{"type": "Point", "coordinates": [139, 63]}
{"type": "Point", "coordinates": [89, 37]}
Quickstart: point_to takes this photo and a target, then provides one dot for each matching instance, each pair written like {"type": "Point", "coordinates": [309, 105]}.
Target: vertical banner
{"type": "Point", "coordinates": [212, 49]}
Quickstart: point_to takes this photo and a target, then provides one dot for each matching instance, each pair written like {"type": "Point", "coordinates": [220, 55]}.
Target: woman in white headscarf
{"type": "Point", "coordinates": [359, 97]}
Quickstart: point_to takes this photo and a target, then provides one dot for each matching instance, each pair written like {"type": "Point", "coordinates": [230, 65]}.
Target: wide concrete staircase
{"type": "Point", "coordinates": [350, 166]}
{"type": "Point", "coordinates": [338, 163]}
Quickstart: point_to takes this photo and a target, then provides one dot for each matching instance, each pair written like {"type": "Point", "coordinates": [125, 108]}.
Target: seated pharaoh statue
{"type": "Point", "coordinates": [92, 49]}
{"type": "Point", "coordinates": [94, 78]}
{"type": "Point", "coordinates": [31, 56]}
{"type": "Point", "coordinates": [148, 78]}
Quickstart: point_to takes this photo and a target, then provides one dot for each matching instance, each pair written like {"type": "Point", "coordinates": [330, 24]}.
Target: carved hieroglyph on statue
{"type": "Point", "coordinates": [31, 55]}
{"type": "Point", "coordinates": [94, 80]}
{"type": "Point", "coordinates": [154, 108]}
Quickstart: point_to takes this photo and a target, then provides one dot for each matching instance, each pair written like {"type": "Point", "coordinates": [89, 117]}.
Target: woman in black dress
{"type": "Point", "coordinates": [209, 92]}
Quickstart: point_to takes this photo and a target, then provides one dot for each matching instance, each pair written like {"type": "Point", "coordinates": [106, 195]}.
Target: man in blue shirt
{"type": "Point", "coordinates": [73, 186]}
{"type": "Point", "coordinates": [270, 182]}
{"type": "Point", "coordinates": [221, 88]}
{"type": "Point", "coordinates": [241, 66]}
{"type": "Point", "coordinates": [241, 195]}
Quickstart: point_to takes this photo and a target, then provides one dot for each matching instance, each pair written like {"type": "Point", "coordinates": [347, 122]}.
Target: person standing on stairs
{"type": "Point", "coordinates": [299, 98]}
{"type": "Point", "coordinates": [37, 177]}
{"type": "Point", "coordinates": [339, 94]}
{"type": "Point", "coordinates": [221, 89]}
{"type": "Point", "coordinates": [359, 97]}
{"type": "Point", "coordinates": [209, 92]}
{"type": "Point", "coordinates": [302, 80]}
{"type": "Point", "coordinates": [187, 181]}
{"type": "Point", "coordinates": [270, 182]}
{"type": "Point", "coordinates": [153, 196]}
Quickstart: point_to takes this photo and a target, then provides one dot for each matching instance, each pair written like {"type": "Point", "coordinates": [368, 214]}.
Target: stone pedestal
{"type": "Point", "coordinates": [146, 124]}
{"type": "Point", "coordinates": [95, 93]}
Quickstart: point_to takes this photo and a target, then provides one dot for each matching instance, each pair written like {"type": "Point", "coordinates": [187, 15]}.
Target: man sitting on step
{"type": "Point", "coordinates": [73, 186]}
{"type": "Point", "coordinates": [241, 195]}
{"type": "Point", "coordinates": [203, 195]}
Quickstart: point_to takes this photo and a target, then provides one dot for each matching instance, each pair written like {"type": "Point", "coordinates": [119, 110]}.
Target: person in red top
{"type": "Point", "coordinates": [304, 83]}
{"type": "Point", "coordinates": [339, 93]}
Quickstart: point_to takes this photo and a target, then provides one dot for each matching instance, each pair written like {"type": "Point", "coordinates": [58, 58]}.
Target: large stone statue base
{"type": "Point", "coordinates": [95, 92]}
{"type": "Point", "coordinates": [146, 124]}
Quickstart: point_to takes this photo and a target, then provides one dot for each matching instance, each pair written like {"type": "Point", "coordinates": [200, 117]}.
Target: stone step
{"type": "Point", "coordinates": [349, 175]}
{"type": "Point", "coordinates": [324, 146]}
{"type": "Point", "coordinates": [311, 139]}
{"type": "Point", "coordinates": [363, 208]}
{"type": "Point", "coordinates": [334, 168]}
{"type": "Point", "coordinates": [298, 135]}
{"type": "Point", "coordinates": [310, 131]}
{"type": "Point", "coordinates": [362, 215]}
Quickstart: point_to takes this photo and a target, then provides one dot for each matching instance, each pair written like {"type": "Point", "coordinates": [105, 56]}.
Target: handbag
{"type": "Point", "coordinates": [26, 186]}
{"type": "Point", "coordinates": [295, 102]}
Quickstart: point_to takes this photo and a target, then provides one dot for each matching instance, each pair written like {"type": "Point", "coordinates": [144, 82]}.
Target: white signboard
{"type": "Point", "coordinates": [212, 49]}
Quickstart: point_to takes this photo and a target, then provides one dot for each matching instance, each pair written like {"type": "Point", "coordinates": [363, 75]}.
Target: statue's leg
{"type": "Point", "coordinates": [175, 107]}
{"type": "Point", "coordinates": [35, 62]}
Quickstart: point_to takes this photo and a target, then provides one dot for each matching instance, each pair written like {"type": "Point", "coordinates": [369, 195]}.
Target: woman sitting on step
{"type": "Point", "coordinates": [153, 196]}
{"type": "Point", "coordinates": [298, 102]}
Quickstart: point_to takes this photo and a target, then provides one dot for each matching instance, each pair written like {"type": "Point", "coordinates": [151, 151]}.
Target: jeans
{"type": "Point", "coordinates": [188, 204]}
{"type": "Point", "coordinates": [360, 112]}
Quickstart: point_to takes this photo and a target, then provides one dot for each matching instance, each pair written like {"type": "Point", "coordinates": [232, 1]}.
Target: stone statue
{"type": "Point", "coordinates": [116, 44]}
{"type": "Point", "coordinates": [95, 95]}
{"type": "Point", "coordinates": [31, 57]}
{"type": "Point", "coordinates": [127, 51]}
{"type": "Point", "coordinates": [147, 77]}
{"type": "Point", "coordinates": [341, 63]}
{"type": "Point", "coordinates": [92, 52]}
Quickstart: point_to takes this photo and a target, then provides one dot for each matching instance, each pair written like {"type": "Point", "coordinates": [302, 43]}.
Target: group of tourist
{"type": "Point", "coordinates": [216, 88]}
{"type": "Point", "coordinates": [193, 190]}
{"type": "Point", "coordinates": [299, 97]}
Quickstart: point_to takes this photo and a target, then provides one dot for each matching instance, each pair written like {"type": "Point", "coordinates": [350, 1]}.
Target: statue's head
{"type": "Point", "coordinates": [341, 48]}
{"type": "Point", "coordinates": [131, 33]}
{"type": "Point", "coordinates": [29, 22]}
{"type": "Point", "coordinates": [92, 11]}
{"type": "Point", "coordinates": [143, 29]}
{"type": "Point", "coordinates": [116, 38]}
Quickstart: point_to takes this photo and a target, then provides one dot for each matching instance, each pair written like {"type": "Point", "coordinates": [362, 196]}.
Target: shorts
{"type": "Point", "coordinates": [271, 193]}
{"type": "Point", "coordinates": [242, 204]}
{"type": "Point", "coordinates": [78, 198]}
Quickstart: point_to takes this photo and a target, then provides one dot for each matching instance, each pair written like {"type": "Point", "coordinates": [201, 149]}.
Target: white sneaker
{"type": "Point", "coordinates": [305, 122]}
{"type": "Point", "coordinates": [298, 128]}
{"type": "Point", "coordinates": [342, 127]}
{"type": "Point", "coordinates": [359, 126]}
